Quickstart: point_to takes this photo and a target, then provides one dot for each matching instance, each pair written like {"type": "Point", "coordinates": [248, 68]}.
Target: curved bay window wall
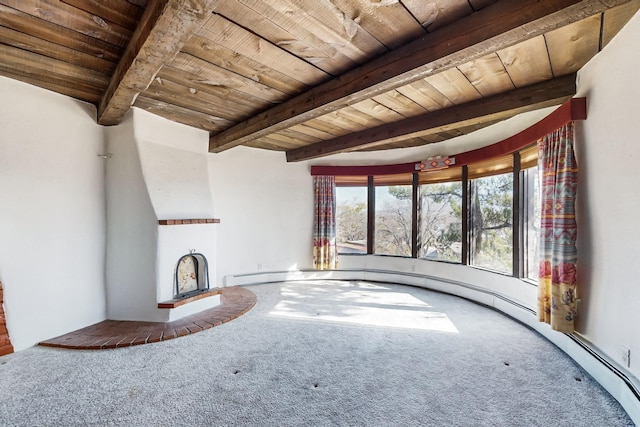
{"type": "Point", "coordinates": [484, 214]}
{"type": "Point", "coordinates": [483, 211]}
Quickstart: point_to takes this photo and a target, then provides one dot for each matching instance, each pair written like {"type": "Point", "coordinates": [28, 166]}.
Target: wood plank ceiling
{"type": "Point", "coordinates": [310, 77]}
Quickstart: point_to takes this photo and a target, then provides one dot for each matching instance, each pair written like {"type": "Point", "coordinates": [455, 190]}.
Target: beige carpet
{"type": "Point", "coordinates": [324, 353]}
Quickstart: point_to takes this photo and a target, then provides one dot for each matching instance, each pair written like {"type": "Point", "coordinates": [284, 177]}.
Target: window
{"type": "Point", "coordinates": [351, 220]}
{"type": "Point", "coordinates": [461, 214]}
{"type": "Point", "coordinates": [491, 222]}
{"type": "Point", "coordinates": [393, 220]}
{"type": "Point", "coordinates": [531, 219]}
{"type": "Point", "coordinates": [440, 221]}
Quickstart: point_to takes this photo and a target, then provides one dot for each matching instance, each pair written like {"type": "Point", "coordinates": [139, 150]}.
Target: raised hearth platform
{"type": "Point", "coordinates": [175, 303]}
{"type": "Point", "coordinates": [234, 302]}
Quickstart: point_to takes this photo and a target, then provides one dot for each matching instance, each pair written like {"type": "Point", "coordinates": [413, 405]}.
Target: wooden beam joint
{"type": "Point", "coordinates": [164, 28]}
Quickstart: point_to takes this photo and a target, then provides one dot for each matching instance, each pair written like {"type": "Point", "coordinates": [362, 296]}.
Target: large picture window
{"type": "Point", "coordinates": [351, 220]}
{"type": "Point", "coordinates": [484, 214]}
{"type": "Point", "coordinates": [393, 222]}
{"type": "Point", "coordinates": [491, 222]}
{"type": "Point", "coordinates": [440, 221]}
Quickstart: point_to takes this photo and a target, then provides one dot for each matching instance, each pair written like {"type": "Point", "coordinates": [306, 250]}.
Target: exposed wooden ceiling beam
{"type": "Point", "coordinates": [489, 30]}
{"type": "Point", "coordinates": [571, 110]}
{"type": "Point", "coordinates": [163, 30]}
{"type": "Point", "coordinates": [540, 95]}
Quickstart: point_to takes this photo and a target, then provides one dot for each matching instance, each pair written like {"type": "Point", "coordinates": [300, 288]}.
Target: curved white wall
{"type": "Point", "coordinates": [516, 290]}
{"type": "Point", "coordinates": [265, 206]}
{"type": "Point", "coordinates": [132, 236]}
{"type": "Point", "coordinates": [52, 220]}
{"type": "Point", "coordinates": [174, 160]}
{"type": "Point", "coordinates": [608, 205]}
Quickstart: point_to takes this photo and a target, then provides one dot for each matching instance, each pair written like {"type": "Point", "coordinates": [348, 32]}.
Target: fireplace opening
{"type": "Point", "coordinates": [192, 275]}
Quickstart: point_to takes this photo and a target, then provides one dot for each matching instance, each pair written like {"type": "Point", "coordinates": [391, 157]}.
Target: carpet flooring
{"type": "Point", "coordinates": [324, 353]}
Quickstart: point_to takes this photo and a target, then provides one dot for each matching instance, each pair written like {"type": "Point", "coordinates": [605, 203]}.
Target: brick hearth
{"type": "Point", "coordinates": [234, 302]}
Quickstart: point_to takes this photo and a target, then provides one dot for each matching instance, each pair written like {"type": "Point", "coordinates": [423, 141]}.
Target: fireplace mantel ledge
{"type": "Point", "coordinates": [173, 303]}
{"type": "Point", "coordinates": [189, 221]}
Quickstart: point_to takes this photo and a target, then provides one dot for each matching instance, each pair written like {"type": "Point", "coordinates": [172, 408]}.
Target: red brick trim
{"type": "Point", "coordinates": [5, 342]}
{"type": "Point", "coordinates": [189, 221]}
{"type": "Point", "coordinates": [173, 303]}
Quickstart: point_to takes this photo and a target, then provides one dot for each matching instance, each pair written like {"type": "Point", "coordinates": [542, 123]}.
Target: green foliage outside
{"type": "Point", "coordinates": [393, 221]}
{"type": "Point", "coordinates": [439, 221]}
{"type": "Point", "coordinates": [492, 222]}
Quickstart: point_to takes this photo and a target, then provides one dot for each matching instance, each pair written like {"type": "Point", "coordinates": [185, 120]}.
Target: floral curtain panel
{"type": "Point", "coordinates": [558, 229]}
{"type": "Point", "coordinates": [325, 250]}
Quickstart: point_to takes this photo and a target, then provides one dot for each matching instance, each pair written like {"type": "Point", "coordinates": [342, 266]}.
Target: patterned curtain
{"type": "Point", "coordinates": [558, 230]}
{"type": "Point", "coordinates": [325, 251]}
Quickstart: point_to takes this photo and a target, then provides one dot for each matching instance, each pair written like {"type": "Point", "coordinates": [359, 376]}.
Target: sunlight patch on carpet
{"type": "Point", "coordinates": [360, 303]}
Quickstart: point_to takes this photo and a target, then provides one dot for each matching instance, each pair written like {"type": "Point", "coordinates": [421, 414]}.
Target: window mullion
{"type": "Point", "coordinates": [465, 216]}
{"type": "Point", "coordinates": [414, 216]}
{"type": "Point", "coordinates": [517, 213]}
{"type": "Point", "coordinates": [371, 215]}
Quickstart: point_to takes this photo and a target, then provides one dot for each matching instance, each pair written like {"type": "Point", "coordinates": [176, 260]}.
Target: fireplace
{"type": "Point", "coordinates": [192, 275]}
{"type": "Point", "coordinates": [158, 185]}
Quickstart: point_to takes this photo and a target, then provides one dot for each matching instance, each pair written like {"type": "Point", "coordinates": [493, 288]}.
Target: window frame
{"type": "Point", "coordinates": [419, 215]}
{"type": "Point", "coordinates": [528, 182]}
{"type": "Point", "coordinates": [517, 163]}
{"type": "Point", "coordinates": [410, 240]}
{"type": "Point", "coordinates": [367, 213]}
{"type": "Point", "coordinates": [472, 183]}
{"type": "Point", "coordinates": [523, 142]}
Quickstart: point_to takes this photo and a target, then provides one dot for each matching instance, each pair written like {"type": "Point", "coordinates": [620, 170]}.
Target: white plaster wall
{"type": "Point", "coordinates": [132, 230]}
{"type": "Point", "coordinates": [52, 221]}
{"type": "Point", "coordinates": [515, 290]}
{"type": "Point", "coordinates": [608, 205]}
{"type": "Point", "coordinates": [175, 166]}
{"type": "Point", "coordinates": [265, 206]}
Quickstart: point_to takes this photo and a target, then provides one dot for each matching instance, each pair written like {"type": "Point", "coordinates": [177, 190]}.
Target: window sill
{"type": "Point", "coordinates": [446, 261]}
{"type": "Point", "coordinates": [502, 273]}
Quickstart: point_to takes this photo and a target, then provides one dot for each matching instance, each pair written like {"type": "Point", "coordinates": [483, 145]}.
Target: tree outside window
{"type": "Point", "coordinates": [440, 221]}
{"type": "Point", "coordinates": [440, 214]}
{"type": "Point", "coordinates": [393, 220]}
{"type": "Point", "coordinates": [351, 220]}
{"type": "Point", "coordinates": [491, 222]}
